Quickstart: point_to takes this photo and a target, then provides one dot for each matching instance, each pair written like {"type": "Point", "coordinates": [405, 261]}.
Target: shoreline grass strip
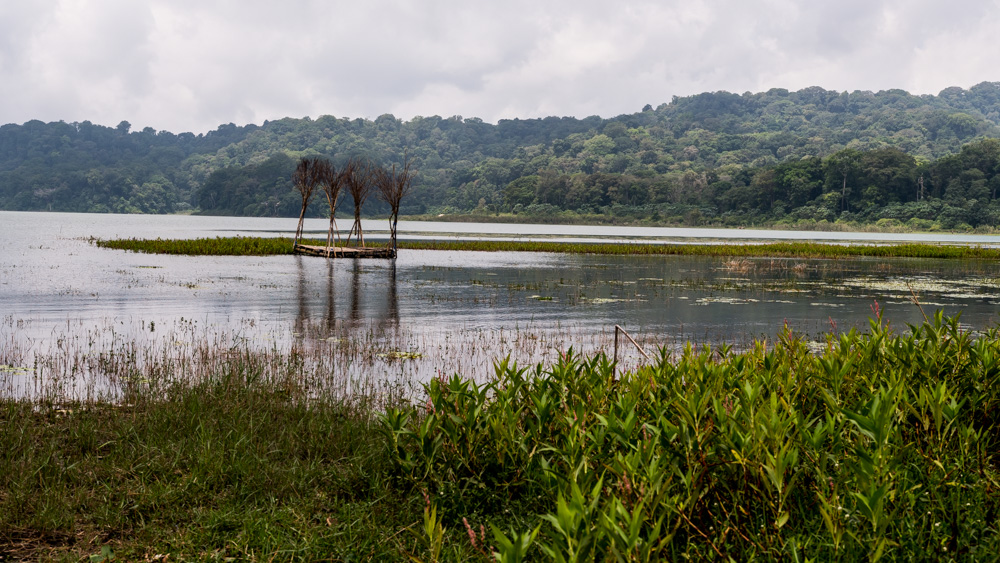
{"type": "Point", "coordinates": [263, 246]}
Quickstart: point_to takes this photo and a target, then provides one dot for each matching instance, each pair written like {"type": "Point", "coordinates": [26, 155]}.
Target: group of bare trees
{"type": "Point", "coordinates": [359, 178]}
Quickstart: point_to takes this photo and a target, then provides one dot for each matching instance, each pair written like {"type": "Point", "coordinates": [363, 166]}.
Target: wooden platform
{"type": "Point", "coordinates": [345, 251]}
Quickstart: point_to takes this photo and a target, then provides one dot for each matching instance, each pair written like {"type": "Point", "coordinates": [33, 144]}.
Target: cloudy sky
{"type": "Point", "coordinates": [190, 65]}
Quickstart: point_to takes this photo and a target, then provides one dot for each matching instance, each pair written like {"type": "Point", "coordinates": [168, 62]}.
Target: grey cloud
{"type": "Point", "coordinates": [19, 21]}
{"type": "Point", "coordinates": [193, 64]}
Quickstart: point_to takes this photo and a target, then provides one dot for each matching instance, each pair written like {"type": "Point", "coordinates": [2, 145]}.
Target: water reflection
{"type": "Point", "coordinates": [331, 303]}
{"type": "Point", "coordinates": [355, 315]}
{"type": "Point", "coordinates": [303, 292]}
{"type": "Point", "coordinates": [392, 302]}
{"type": "Point", "coordinates": [427, 310]}
{"type": "Point", "coordinates": [373, 297]}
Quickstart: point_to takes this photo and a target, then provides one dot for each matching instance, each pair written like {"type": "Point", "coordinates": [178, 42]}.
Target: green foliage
{"type": "Point", "coordinates": [219, 246]}
{"type": "Point", "coordinates": [87, 167]}
{"type": "Point", "coordinates": [719, 158]}
{"type": "Point", "coordinates": [228, 468]}
{"type": "Point", "coordinates": [262, 190]}
{"type": "Point", "coordinates": [515, 548]}
{"type": "Point", "coordinates": [257, 246]}
{"type": "Point", "coordinates": [879, 446]}
{"type": "Point", "coordinates": [433, 536]}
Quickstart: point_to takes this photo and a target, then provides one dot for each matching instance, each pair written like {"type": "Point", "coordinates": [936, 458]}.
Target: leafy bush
{"type": "Point", "coordinates": [876, 446]}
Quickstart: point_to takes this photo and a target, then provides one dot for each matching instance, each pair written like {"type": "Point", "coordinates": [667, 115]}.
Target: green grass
{"type": "Point", "coordinates": [219, 246]}
{"type": "Point", "coordinates": [254, 246]}
{"type": "Point", "coordinates": [778, 249]}
{"type": "Point", "coordinates": [218, 470]}
{"type": "Point", "coordinates": [879, 445]}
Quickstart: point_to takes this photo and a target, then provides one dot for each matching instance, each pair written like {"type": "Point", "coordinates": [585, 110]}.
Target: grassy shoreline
{"type": "Point", "coordinates": [881, 445]}
{"type": "Point", "coordinates": [262, 246]}
{"type": "Point", "coordinates": [574, 218]}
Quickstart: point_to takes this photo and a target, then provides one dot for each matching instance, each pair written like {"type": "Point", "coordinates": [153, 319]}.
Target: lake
{"type": "Point", "coordinates": [438, 311]}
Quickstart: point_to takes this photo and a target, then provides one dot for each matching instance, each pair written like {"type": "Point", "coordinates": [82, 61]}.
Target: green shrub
{"type": "Point", "coordinates": [879, 446]}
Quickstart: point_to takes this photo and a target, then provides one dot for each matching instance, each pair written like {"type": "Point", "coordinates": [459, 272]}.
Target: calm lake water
{"type": "Point", "coordinates": [450, 311]}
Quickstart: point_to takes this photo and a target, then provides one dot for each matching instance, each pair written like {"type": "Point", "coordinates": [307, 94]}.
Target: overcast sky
{"type": "Point", "coordinates": [191, 65]}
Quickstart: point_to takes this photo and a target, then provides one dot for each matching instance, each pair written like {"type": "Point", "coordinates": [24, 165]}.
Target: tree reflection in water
{"type": "Point", "coordinates": [361, 313]}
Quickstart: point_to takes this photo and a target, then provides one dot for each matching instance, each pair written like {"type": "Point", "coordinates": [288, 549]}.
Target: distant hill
{"type": "Point", "coordinates": [699, 158]}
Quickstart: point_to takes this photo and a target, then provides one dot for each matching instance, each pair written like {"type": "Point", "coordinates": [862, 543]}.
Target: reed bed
{"type": "Point", "coordinates": [115, 362]}
{"type": "Point", "coordinates": [873, 445]}
{"type": "Point", "coordinates": [256, 246]}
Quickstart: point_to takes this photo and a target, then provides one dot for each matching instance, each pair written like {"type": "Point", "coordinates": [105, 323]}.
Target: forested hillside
{"type": "Point", "coordinates": [812, 155]}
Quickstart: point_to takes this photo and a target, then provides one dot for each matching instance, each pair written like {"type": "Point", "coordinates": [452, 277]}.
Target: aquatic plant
{"type": "Point", "coordinates": [749, 250]}
{"type": "Point", "coordinates": [879, 446]}
{"type": "Point", "coordinates": [255, 246]}
{"type": "Point", "coordinates": [218, 246]}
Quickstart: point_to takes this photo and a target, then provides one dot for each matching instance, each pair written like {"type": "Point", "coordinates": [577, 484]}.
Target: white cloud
{"type": "Point", "coordinates": [194, 64]}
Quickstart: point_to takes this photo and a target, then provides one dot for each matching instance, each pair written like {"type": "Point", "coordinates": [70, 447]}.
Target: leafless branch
{"type": "Point", "coordinates": [332, 182]}
{"type": "Point", "coordinates": [359, 184]}
{"type": "Point", "coordinates": [307, 175]}
{"type": "Point", "coordinates": [393, 186]}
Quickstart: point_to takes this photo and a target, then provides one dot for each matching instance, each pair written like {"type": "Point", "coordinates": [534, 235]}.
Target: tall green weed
{"type": "Point", "coordinates": [882, 446]}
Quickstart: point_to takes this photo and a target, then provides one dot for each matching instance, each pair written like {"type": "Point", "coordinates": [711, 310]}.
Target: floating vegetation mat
{"type": "Point", "coordinates": [726, 300]}
{"type": "Point", "coordinates": [256, 246]}
{"type": "Point", "coordinates": [970, 288]}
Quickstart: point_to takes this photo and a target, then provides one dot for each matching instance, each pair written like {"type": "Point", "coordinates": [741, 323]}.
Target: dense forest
{"type": "Point", "coordinates": [811, 156]}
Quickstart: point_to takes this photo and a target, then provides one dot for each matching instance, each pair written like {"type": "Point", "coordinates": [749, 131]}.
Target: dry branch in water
{"type": "Point", "coordinates": [333, 181]}
{"type": "Point", "coordinates": [359, 184]}
{"type": "Point", "coordinates": [308, 174]}
{"type": "Point", "coordinates": [392, 187]}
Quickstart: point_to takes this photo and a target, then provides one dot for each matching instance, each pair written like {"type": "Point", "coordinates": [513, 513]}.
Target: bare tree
{"type": "Point", "coordinates": [332, 182]}
{"type": "Point", "coordinates": [392, 187]}
{"type": "Point", "coordinates": [305, 178]}
{"type": "Point", "coordinates": [359, 184]}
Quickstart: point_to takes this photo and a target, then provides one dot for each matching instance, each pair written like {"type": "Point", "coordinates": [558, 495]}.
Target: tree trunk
{"type": "Point", "coordinates": [392, 233]}
{"type": "Point", "coordinates": [843, 195]}
{"type": "Point", "coordinates": [330, 234]}
{"type": "Point", "coordinates": [302, 218]}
